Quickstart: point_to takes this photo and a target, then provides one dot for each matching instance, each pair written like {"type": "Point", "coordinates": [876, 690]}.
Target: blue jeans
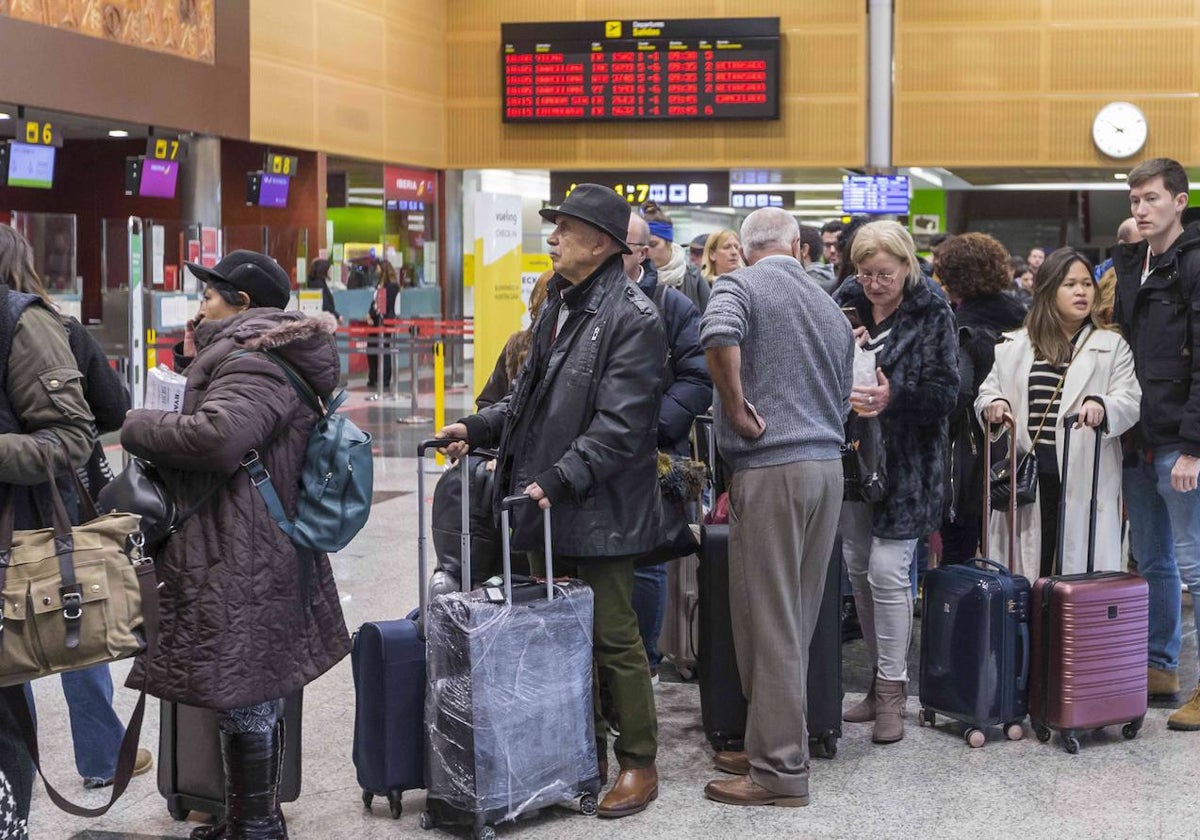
{"type": "Point", "coordinates": [95, 728]}
{"type": "Point", "coordinates": [650, 604]}
{"type": "Point", "coordinates": [1164, 536]}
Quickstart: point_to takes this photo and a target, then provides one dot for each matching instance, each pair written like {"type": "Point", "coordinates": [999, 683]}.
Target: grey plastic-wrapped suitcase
{"type": "Point", "coordinates": [508, 709]}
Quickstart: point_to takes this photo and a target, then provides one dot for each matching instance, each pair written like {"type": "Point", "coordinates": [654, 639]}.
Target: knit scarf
{"type": "Point", "coordinates": [673, 272]}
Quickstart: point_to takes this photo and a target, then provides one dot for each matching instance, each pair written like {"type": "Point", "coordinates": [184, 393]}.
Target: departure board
{"type": "Point", "coordinates": [704, 69]}
{"type": "Point", "coordinates": [879, 194]}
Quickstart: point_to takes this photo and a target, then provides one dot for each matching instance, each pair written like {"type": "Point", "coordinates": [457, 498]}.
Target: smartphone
{"type": "Point", "coordinates": [851, 314]}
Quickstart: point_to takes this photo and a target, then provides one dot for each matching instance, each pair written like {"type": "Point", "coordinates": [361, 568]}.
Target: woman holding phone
{"type": "Point", "coordinates": [1063, 362]}
{"type": "Point", "coordinates": [912, 333]}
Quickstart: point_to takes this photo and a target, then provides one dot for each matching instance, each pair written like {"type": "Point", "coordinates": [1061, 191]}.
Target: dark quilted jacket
{"type": "Point", "coordinates": [245, 615]}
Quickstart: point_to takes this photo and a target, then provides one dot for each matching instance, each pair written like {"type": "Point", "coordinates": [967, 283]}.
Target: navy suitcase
{"type": "Point", "coordinates": [723, 707]}
{"type": "Point", "coordinates": [509, 705]}
{"type": "Point", "coordinates": [388, 662]}
{"type": "Point", "coordinates": [975, 638]}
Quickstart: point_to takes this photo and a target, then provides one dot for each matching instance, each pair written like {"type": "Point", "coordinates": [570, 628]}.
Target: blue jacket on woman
{"type": "Point", "coordinates": [920, 360]}
{"type": "Point", "coordinates": [688, 387]}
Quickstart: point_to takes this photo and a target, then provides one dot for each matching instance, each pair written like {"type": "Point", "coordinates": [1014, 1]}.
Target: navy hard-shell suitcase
{"type": "Point", "coordinates": [975, 639]}
{"type": "Point", "coordinates": [388, 662]}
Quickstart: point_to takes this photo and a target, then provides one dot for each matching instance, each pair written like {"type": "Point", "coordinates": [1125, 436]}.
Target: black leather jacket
{"type": "Point", "coordinates": [582, 418]}
{"type": "Point", "coordinates": [1159, 318]}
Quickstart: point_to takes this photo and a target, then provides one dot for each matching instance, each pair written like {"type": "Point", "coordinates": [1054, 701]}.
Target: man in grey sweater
{"type": "Point", "coordinates": [781, 356]}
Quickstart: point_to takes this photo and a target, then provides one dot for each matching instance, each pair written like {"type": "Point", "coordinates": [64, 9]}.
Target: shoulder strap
{"type": "Point", "coordinates": [660, 295]}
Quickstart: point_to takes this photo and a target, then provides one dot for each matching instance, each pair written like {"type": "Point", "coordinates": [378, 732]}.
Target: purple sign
{"type": "Point", "coordinates": [273, 191]}
{"type": "Point", "coordinates": [158, 178]}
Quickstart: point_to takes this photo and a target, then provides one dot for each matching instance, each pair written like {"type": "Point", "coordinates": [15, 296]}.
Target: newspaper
{"type": "Point", "coordinates": [164, 389]}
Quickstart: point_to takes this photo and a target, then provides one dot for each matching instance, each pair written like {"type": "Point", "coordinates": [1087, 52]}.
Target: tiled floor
{"type": "Point", "coordinates": [929, 785]}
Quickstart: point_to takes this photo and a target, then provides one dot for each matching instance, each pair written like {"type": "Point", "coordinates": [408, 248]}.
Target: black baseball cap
{"type": "Point", "coordinates": [262, 279]}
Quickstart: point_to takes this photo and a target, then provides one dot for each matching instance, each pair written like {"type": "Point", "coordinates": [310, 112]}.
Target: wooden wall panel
{"type": "Point", "coordinates": [823, 93]}
{"type": "Point", "coordinates": [1017, 83]}
{"type": "Point", "coordinates": [364, 78]}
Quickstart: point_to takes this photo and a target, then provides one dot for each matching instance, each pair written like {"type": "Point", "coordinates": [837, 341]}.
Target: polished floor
{"type": "Point", "coordinates": [929, 785]}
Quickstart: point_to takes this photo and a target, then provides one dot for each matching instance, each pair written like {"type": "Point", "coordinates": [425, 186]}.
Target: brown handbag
{"type": "Point", "coordinates": [72, 597]}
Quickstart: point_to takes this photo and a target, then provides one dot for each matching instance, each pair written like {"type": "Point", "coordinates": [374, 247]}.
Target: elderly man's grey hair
{"type": "Point", "coordinates": [769, 229]}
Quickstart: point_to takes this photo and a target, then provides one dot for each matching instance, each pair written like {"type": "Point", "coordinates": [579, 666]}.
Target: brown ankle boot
{"type": "Point", "coordinates": [889, 712]}
{"type": "Point", "coordinates": [864, 710]}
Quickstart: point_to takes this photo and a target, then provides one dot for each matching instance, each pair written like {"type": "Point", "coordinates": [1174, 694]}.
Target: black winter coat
{"type": "Point", "coordinates": [688, 387]}
{"type": "Point", "coordinates": [981, 321]}
{"type": "Point", "coordinates": [582, 419]}
{"type": "Point", "coordinates": [1161, 320]}
{"type": "Point", "coordinates": [920, 360]}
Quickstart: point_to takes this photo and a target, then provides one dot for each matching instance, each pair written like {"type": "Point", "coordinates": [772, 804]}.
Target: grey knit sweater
{"type": "Point", "coordinates": [797, 361]}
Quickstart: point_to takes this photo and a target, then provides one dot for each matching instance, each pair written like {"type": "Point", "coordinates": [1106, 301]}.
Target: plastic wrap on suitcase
{"type": "Point", "coordinates": [509, 706]}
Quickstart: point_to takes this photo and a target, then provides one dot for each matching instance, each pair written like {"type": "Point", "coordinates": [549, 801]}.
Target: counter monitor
{"type": "Point", "coordinates": [30, 165]}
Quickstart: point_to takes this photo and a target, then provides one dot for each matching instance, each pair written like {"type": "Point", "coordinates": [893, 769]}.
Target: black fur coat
{"type": "Point", "coordinates": [920, 360]}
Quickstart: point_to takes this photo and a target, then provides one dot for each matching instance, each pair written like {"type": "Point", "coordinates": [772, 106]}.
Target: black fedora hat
{"type": "Point", "coordinates": [262, 279]}
{"type": "Point", "coordinates": [600, 207]}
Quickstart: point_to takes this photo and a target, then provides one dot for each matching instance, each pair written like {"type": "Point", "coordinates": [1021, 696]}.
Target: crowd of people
{"type": "Point", "coordinates": [634, 335]}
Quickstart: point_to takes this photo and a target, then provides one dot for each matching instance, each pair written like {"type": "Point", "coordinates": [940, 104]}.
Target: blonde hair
{"type": "Point", "coordinates": [889, 238]}
{"type": "Point", "coordinates": [715, 242]}
{"type": "Point", "coordinates": [1106, 296]}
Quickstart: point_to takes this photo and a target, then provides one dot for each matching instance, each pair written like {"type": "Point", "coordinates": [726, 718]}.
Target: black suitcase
{"type": "Point", "coordinates": [723, 708]}
{"type": "Point", "coordinates": [508, 708]}
{"type": "Point", "coordinates": [191, 775]}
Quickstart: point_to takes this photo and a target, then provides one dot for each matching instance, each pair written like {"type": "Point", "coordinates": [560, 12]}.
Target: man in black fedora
{"type": "Point", "coordinates": [578, 433]}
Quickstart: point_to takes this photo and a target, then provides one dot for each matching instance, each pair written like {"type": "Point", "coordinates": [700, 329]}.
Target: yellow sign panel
{"type": "Point", "coordinates": [612, 29]}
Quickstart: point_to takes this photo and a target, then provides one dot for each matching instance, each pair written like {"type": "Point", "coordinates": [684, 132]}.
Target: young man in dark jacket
{"type": "Point", "coordinates": [578, 434]}
{"type": "Point", "coordinates": [687, 393]}
{"type": "Point", "coordinates": [1157, 307]}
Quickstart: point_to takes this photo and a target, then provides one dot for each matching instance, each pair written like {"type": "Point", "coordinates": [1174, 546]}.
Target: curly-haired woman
{"type": "Point", "coordinates": [975, 271]}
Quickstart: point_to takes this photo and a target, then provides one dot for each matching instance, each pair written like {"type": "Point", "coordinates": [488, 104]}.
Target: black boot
{"type": "Point", "coordinates": [216, 831]}
{"type": "Point", "coordinates": [253, 763]}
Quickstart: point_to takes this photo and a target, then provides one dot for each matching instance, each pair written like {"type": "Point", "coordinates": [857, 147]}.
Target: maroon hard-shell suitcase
{"type": "Point", "coordinates": [1089, 639]}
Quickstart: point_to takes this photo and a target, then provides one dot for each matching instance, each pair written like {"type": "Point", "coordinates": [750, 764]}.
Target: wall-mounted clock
{"type": "Point", "coordinates": [1119, 130]}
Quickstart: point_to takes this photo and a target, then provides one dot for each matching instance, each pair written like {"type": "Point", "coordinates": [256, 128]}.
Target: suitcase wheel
{"type": "Point", "coordinates": [1130, 730]}
{"type": "Point", "coordinates": [975, 738]}
{"type": "Point", "coordinates": [1043, 733]}
{"type": "Point", "coordinates": [427, 820]}
{"type": "Point", "coordinates": [926, 718]}
{"type": "Point", "coordinates": [588, 805]}
{"type": "Point", "coordinates": [483, 831]}
{"type": "Point", "coordinates": [1014, 732]}
{"type": "Point", "coordinates": [178, 813]}
{"type": "Point", "coordinates": [1070, 742]}
{"type": "Point", "coordinates": [829, 744]}
{"type": "Point", "coordinates": [394, 803]}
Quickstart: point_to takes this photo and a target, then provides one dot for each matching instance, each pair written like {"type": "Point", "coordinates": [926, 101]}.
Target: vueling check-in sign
{"type": "Point", "coordinates": [612, 29]}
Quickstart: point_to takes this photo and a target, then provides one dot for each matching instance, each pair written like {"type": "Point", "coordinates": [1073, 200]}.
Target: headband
{"type": "Point", "coordinates": [663, 230]}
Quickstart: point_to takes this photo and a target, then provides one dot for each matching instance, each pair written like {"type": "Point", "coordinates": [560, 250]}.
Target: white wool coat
{"type": "Point", "coordinates": [1103, 367]}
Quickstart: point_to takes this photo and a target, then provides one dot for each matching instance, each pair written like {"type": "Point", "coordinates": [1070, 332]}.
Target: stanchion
{"type": "Point", "coordinates": [413, 418]}
{"type": "Point", "coordinates": [439, 390]}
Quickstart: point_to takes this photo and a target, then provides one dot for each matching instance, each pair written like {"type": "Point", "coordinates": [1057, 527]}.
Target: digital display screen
{"type": "Point", "coordinates": [273, 190]}
{"type": "Point", "coordinates": [699, 188]}
{"type": "Point", "coordinates": [30, 166]}
{"type": "Point", "coordinates": [158, 178]}
{"type": "Point", "coordinates": [704, 69]}
{"type": "Point", "coordinates": [875, 194]}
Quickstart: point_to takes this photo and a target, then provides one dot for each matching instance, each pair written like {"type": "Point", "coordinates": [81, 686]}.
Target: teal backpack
{"type": "Point", "coordinates": [335, 482]}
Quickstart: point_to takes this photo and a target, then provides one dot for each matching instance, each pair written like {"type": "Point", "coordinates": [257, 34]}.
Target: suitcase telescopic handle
{"type": "Point", "coordinates": [1068, 422]}
{"type": "Point", "coordinates": [1009, 422]}
{"type": "Point", "coordinates": [506, 505]}
{"type": "Point", "coordinates": [706, 420]}
{"type": "Point", "coordinates": [422, 563]}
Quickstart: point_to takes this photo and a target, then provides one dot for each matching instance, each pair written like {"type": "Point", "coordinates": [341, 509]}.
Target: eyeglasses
{"type": "Point", "coordinates": [877, 279]}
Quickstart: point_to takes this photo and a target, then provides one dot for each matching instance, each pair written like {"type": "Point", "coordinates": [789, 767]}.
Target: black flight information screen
{"type": "Point", "coordinates": [711, 69]}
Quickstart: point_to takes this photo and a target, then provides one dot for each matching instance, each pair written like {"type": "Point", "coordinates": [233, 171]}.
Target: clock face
{"type": "Point", "coordinates": [1119, 130]}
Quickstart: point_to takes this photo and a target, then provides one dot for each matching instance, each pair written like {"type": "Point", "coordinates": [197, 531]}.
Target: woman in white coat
{"type": "Point", "coordinates": [1064, 361]}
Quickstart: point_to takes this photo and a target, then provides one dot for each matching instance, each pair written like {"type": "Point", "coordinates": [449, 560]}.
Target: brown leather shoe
{"type": "Point", "coordinates": [1162, 684]}
{"type": "Point", "coordinates": [745, 791]}
{"type": "Point", "coordinates": [633, 791]}
{"type": "Point", "coordinates": [732, 762]}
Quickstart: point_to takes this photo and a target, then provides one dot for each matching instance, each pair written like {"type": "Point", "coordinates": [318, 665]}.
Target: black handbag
{"type": "Point", "coordinates": [864, 460]}
{"type": "Point", "coordinates": [139, 489]}
{"type": "Point", "coordinates": [1027, 481]}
